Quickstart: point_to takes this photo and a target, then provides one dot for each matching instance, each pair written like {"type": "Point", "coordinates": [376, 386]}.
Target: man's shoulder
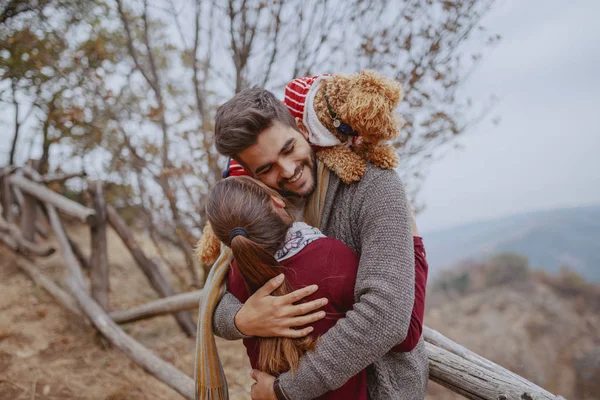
{"type": "Point", "coordinates": [377, 179]}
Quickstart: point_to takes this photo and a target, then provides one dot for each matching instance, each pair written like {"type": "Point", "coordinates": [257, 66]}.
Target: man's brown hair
{"type": "Point", "coordinates": [240, 120]}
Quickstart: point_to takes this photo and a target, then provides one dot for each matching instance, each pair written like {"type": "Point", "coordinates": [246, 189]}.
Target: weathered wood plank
{"type": "Point", "coordinates": [63, 240]}
{"type": "Point", "coordinates": [441, 341]}
{"type": "Point", "coordinates": [99, 258]}
{"type": "Point", "coordinates": [150, 268]}
{"type": "Point", "coordinates": [477, 382]}
{"type": "Point", "coordinates": [167, 305]}
{"type": "Point", "coordinates": [42, 193]}
{"type": "Point", "coordinates": [48, 284]}
{"type": "Point", "coordinates": [141, 355]}
{"type": "Point", "coordinates": [28, 218]}
{"type": "Point", "coordinates": [22, 243]}
{"type": "Point", "coordinates": [7, 198]}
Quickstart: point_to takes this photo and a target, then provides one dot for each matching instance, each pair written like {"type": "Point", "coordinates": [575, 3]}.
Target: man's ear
{"type": "Point", "coordinates": [278, 202]}
{"type": "Point", "coordinates": [302, 128]}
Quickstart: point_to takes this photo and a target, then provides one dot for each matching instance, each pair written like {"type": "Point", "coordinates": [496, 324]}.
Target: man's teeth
{"type": "Point", "coordinates": [295, 178]}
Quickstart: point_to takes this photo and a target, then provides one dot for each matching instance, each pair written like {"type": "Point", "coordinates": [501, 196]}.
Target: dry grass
{"type": "Point", "coordinates": [48, 353]}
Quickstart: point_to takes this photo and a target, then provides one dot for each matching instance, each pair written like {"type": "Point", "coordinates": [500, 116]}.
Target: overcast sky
{"type": "Point", "coordinates": [545, 151]}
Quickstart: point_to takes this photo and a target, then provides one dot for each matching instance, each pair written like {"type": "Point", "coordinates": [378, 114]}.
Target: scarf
{"type": "Point", "coordinates": [209, 376]}
{"type": "Point", "coordinates": [297, 238]}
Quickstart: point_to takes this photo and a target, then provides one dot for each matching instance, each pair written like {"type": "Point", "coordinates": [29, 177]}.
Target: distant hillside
{"type": "Point", "coordinates": [549, 239]}
{"type": "Point", "coordinates": [544, 327]}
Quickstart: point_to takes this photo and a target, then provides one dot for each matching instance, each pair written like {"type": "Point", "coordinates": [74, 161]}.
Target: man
{"type": "Point", "coordinates": [372, 217]}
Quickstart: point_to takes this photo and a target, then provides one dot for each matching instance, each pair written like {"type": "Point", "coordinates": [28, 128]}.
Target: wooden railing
{"type": "Point", "coordinates": [24, 197]}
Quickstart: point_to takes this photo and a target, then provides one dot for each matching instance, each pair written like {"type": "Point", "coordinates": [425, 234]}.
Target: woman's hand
{"type": "Point", "coordinates": [265, 315]}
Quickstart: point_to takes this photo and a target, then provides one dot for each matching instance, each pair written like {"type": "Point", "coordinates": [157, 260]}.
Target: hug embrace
{"type": "Point", "coordinates": [322, 272]}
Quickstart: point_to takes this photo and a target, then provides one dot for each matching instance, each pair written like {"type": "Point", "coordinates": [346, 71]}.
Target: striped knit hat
{"type": "Point", "coordinates": [299, 99]}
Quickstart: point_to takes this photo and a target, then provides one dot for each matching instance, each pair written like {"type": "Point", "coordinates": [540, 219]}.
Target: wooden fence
{"type": "Point", "coordinates": [25, 200]}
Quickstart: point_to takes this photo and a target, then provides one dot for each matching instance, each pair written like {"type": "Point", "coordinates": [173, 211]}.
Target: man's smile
{"type": "Point", "coordinates": [297, 175]}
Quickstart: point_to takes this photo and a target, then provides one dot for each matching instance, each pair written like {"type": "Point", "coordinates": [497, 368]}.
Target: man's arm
{"type": "Point", "coordinates": [384, 295]}
{"type": "Point", "coordinates": [223, 318]}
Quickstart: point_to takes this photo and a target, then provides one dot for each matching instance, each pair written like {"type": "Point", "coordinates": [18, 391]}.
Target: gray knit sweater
{"type": "Point", "coordinates": [371, 217]}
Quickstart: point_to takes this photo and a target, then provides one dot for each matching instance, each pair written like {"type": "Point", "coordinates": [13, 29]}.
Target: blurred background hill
{"type": "Point", "coordinates": [542, 325]}
{"type": "Point", "coordinates": [550, 240]}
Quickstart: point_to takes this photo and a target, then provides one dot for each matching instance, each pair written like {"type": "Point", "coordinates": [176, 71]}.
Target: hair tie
{"type": "Point", "coordinates": [237, 231]}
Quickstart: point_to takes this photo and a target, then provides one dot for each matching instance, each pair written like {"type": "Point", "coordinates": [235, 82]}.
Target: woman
{"type": "Point", "coordinates": [252, 220]}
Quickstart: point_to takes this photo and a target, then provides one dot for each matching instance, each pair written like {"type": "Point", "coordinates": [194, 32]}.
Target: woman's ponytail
{"type": "Point", "coordinates": [242, 215]}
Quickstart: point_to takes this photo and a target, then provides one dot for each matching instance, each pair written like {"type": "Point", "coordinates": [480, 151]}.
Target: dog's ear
{"type": "Point", "coordinates": [208, 247]}
{"type": "Point", "coordinates": [374, 83]}
{"type": "Point", "coordinates": [370, 106]}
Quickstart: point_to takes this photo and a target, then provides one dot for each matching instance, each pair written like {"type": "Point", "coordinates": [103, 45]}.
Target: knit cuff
{"type": "Point", "coordinates": [224, 318]}
{"type": "Point", "coordinates": [279, 391]}
{"type": "Point", "coordinates": [236, 330]}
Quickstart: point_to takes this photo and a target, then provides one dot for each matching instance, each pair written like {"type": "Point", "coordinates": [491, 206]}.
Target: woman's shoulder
{"type": "Point", "coordinates": [326, 243]}
{"type": "Point", "coordinates": [326, 249]}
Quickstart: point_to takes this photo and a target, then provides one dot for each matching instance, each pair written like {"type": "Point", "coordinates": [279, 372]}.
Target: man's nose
{"type": "Point", "coordinates": [287, 169]}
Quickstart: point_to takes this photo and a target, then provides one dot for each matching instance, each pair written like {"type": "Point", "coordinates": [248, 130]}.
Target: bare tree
{"type": "Point", "coordinates": [149, 75]}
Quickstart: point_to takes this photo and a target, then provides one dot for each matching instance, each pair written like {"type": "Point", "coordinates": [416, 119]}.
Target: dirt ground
{"type": "Point", "coordinates": [48, 353]}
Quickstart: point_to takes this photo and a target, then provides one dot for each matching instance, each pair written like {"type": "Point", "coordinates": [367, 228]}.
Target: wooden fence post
{"type": "Point", "coordinates": [99, 257]}
{"type": "Point", "coordinates": [6, 198]}
{"type": "Point", "coordinates": [28, 217]}
{"type": "Point", "coordinates": [42, 193]}
{"type": "Point", "coordinates": [79, 254]}
{"type": "Point", "coordinates": [166, 305]}
{"type": "Point", "coordinates": [67, 251]}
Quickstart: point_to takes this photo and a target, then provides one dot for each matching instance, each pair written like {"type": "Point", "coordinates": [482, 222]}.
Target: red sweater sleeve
{"type": "Point", "coordinates": [342, 263]}
{"type": "Point", "coordinates": [415, 329]}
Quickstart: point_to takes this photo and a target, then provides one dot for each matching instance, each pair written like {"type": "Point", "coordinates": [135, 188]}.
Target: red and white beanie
{"type": "Point", "coordinates": [299, 99]}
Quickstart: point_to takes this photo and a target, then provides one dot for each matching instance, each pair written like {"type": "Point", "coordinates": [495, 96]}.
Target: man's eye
{"type": "Point", "coordinates": [290, 149]}
{"type": "Point", "coordinates": [265, 171]}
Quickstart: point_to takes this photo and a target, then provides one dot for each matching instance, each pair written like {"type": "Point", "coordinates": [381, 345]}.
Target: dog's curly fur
{"type": "Point", "coordinates": [366, 101]}
{"type": "Point", "coordinates": [208, 247]}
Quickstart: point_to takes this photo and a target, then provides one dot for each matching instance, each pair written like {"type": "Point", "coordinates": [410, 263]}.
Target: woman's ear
{"type": "Point", "coordinates": [278, 202]}
{"type": "Point", "coordinates": [302, 128]}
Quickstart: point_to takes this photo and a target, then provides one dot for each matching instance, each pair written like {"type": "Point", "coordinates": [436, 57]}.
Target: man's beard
{"type": "Point", "coordinates": [311, 189]}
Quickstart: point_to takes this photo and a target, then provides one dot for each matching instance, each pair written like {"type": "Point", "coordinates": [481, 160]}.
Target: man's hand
{"type": "Point", "coordinates": [263, 388]}
{"type": "Point", "coordinates": [268, 316]}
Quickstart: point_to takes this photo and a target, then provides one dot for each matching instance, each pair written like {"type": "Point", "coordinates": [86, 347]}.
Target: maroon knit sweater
{"type": "Point", "coordinates": [332, 265]}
